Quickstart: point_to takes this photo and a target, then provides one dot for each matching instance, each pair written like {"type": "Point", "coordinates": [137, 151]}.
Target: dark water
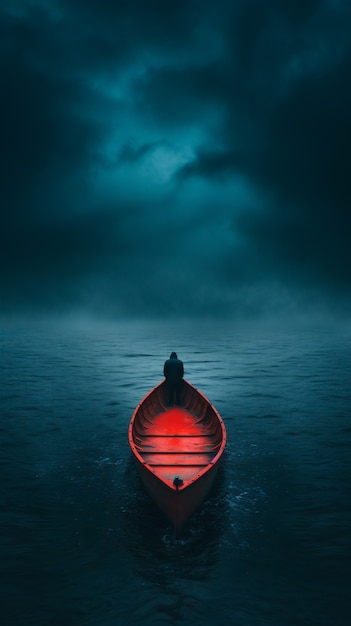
{"type": "Point", "coordinates": [82, 544]}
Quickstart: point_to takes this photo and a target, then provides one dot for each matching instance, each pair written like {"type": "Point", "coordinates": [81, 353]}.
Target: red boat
{"type": "Point", "coordinates": [177, 449]}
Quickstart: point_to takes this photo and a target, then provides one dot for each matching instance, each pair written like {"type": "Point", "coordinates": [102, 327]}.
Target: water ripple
{"type": "Point", "coordinates": [83, 544]}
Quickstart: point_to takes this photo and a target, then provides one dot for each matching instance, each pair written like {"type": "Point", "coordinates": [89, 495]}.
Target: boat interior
{"type": "Point", "coordinates": [177, 442]}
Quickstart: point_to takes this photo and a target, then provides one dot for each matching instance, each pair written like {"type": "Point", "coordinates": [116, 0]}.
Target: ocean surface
{"type": "Point", "coordinates": [81, 542]}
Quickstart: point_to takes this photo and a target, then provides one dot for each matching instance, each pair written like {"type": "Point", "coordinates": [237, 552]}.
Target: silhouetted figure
{"type": "Point", "coordinates": [174, 371]}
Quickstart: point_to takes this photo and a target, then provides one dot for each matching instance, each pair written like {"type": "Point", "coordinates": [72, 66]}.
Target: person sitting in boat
{"type": "Point", "coordinates": [173, 371]}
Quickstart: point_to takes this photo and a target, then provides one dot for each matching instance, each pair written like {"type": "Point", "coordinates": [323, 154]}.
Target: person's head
{"type": "Point", "coordinates": [173, 355]}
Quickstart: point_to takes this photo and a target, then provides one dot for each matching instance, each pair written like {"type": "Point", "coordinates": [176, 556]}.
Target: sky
{"type": "Point", "coordinates": [175, 158]}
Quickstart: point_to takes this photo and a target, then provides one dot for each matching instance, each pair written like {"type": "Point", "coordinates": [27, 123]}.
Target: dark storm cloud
{"type": "Point", "coordinates": [211, 165]}
{"type": "Point", "coordinates": [174, 157]}
{"type": "Point", "coordinates": [132, 154]}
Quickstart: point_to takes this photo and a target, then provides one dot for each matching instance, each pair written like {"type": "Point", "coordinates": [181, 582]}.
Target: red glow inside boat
{"type": "Point", "coordinates": [176, 445]}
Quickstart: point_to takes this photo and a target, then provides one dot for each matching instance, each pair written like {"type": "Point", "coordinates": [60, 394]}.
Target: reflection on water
{"type": "Point", "coordinates": [83, 544]}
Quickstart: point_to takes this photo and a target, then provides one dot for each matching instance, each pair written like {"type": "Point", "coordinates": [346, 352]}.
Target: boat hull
{"type": "Point", "coordinates": [177, 505]}
{"type": "Point", "coordinates": [177, 450]}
